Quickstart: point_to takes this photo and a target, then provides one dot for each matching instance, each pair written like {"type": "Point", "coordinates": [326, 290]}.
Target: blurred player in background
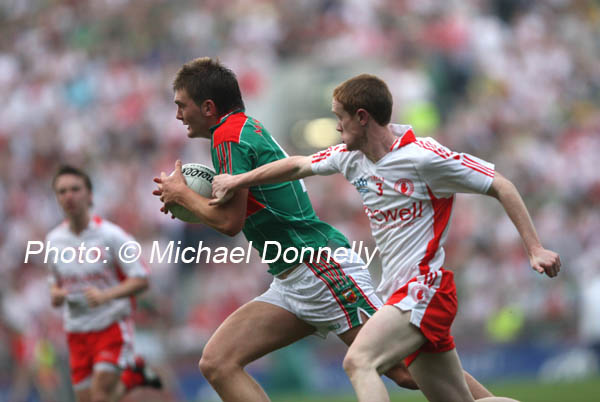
{"type": "Point", "coordinates": [305, 297]}
{"type": "Point", "coordinates": [407, 185]}
{"type": "Point", "coordinates": [99, 295]}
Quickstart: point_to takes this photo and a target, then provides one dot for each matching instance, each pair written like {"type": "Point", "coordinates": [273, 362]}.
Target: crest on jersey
{"type": "Point", "coordinates": [361, 185]}
{"type": "Point", "coordinates": [404, 186]}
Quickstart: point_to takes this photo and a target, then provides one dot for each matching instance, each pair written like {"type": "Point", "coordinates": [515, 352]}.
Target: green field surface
{"type": "Point", "coordinates": [530, 391]}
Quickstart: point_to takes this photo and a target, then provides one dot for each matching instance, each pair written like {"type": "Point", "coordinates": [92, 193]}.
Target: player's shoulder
{"type": "Point", "coordinates": [58, 232]}
{"type": "Point", "coordinates": [428, 148]}
{"type": "Point", "coordinates": [231, 128]}
{"type": "Point", "coordinates": [339, 150]}
{"type": "Point", "coordinates": [106, 227]}
{"type": "Point", "coordinates": [98, 222]}
{"type": "Point", "coordinates": [405, 141]}
{"type": "Point", "coordinates": [406, 146]}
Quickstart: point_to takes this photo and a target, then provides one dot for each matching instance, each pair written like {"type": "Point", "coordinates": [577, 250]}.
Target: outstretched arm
{"type": "Point", "coordinates": [291, 168]}
{"type": "Point", "coordinates": [541, 260]}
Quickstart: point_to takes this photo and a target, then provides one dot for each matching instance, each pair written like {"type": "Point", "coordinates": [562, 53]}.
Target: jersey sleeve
{"type": "Point", "coordinates": [446, 172]}
{"type": "Point", "coordinates": [136, 268]}
{"type": "Point", "coordinates": [233, 157]}
{"type": "Point", "coordinates": [328, 161]}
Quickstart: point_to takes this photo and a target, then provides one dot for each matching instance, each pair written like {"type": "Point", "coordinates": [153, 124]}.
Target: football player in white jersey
{"type": "Point", "coordinates": [98, 292]}
{"type": "Point", "coordinates": [407, 185]}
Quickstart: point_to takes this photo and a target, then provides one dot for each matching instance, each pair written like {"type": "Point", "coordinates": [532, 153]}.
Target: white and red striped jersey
{"type": "Point", "coordinates": [81, 273]}
{"type": "Point", "coordinates": [408, 196]}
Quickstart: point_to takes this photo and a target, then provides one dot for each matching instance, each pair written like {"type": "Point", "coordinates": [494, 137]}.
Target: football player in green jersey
{"type": "Point", "coordinates": [342, 297]}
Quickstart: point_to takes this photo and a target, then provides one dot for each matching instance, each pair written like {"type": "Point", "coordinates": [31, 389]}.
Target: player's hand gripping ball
{"type": "Point", "coordinates": [199, 178]}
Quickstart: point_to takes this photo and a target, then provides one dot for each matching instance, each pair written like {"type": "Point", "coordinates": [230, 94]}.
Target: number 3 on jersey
{"type": "Point", "coordinates": [379, 188]}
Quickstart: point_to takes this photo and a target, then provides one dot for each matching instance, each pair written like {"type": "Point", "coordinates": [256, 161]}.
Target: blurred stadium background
{"type": "Point", "coordinates": [512, 81]}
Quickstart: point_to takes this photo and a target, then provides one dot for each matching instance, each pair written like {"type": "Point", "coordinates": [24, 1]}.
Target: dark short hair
{"type": "Point", "coordinates": [367, 92]}
{"type": "Point", "coordinates": [204, 78]}
{"type": "Point", "coordinates": [68, 169]}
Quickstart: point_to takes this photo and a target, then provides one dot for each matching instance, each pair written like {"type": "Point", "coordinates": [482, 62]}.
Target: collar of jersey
{"type": "Point", "coordinates": [94, 221]}
{"type": "Point", "coordinates": [222, 120]}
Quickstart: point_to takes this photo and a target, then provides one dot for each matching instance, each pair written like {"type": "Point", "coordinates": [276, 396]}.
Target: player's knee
{"type": "Point", "coordinates": [354, 362]}
{"type": "Point", "coordinates": [103, 391]}
{"type": "Point", "coordinates": [214, 368]}
{"type": "Point", "coordinates": [208, 367]}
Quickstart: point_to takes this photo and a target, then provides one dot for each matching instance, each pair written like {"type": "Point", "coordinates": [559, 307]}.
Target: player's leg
{"type": "Point", "coordinates": [120, 391]}
{"type": "Point", "coordinates": [104, 384]}
{"type": "Point", "coordinates": [440, 376]}
{"type": "Point", "coordinates": [112, 350]}
{"type": "Point", "coordinates": [381, 344]}
{"type": "Point", "coordinates": [81, 364]}
{"type": "Point", "coordinates": [364, 306]}
{"type": "Point", "coordinates": [401, 376]}
{"type": "Point", "coordinates": [399, 373]}
{"type": "Point", "coordinates": [477, 389]}
{"type": "Point", "coordinates": [83, 394]}
{"type": "Point", "coordinates": [383, 341]}
{"type": "Point", "coordinates": [252, 331]}
{"type": "Point", "coordinates": [357, 299]}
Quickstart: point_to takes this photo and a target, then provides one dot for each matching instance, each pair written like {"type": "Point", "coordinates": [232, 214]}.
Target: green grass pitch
{"type": "Point", "coordinates": [529, 391]}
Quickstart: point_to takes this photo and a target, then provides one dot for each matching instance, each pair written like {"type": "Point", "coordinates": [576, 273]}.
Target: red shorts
{"type": "Point", "coordinates": [112, 345]}
{"type": "Point", "coordinates": [431, 299]}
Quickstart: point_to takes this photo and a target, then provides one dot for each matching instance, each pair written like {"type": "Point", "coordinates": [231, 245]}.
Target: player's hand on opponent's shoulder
{"type": "Point", "coordinates": [223, 187]}
{"type": "Point", "coordinates": [545, 261]}
{"type": "Point", "coordinates": [168, 187]}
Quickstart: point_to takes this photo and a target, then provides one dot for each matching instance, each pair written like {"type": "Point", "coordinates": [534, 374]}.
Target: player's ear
{"type": "Point", "coordinates": [209, 108]}
{"type": "Point", "coordinates": [363, 116]}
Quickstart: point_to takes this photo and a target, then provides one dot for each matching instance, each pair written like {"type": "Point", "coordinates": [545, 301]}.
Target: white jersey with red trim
{"type": "Point", "coordinates": [408, 196]}
{"type": "Point", "coordinates": [78, 273]}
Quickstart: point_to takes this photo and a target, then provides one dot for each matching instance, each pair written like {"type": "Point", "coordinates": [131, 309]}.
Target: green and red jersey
{"type": "Point", "coordinates": [275, 212]}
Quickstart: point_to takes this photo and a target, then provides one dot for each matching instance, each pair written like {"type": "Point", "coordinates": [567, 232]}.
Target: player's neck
{"type": "Point", "coordinates": [79, 223]}
{"type": "Point", "coordinates": [379, 142]}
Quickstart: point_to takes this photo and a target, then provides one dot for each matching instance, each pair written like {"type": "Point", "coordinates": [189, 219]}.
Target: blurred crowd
{"type": "Point", "coordinates": [89, 83]}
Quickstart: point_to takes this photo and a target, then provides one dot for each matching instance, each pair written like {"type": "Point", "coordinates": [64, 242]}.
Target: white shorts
{"type": "Point", "coordinates": [327, 295]}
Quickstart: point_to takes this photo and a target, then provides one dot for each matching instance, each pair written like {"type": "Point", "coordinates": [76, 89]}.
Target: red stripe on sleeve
{"type": "Point", "coordinates": [478, 169]}
{"type": "Point", "coordinates": [477, 166]}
